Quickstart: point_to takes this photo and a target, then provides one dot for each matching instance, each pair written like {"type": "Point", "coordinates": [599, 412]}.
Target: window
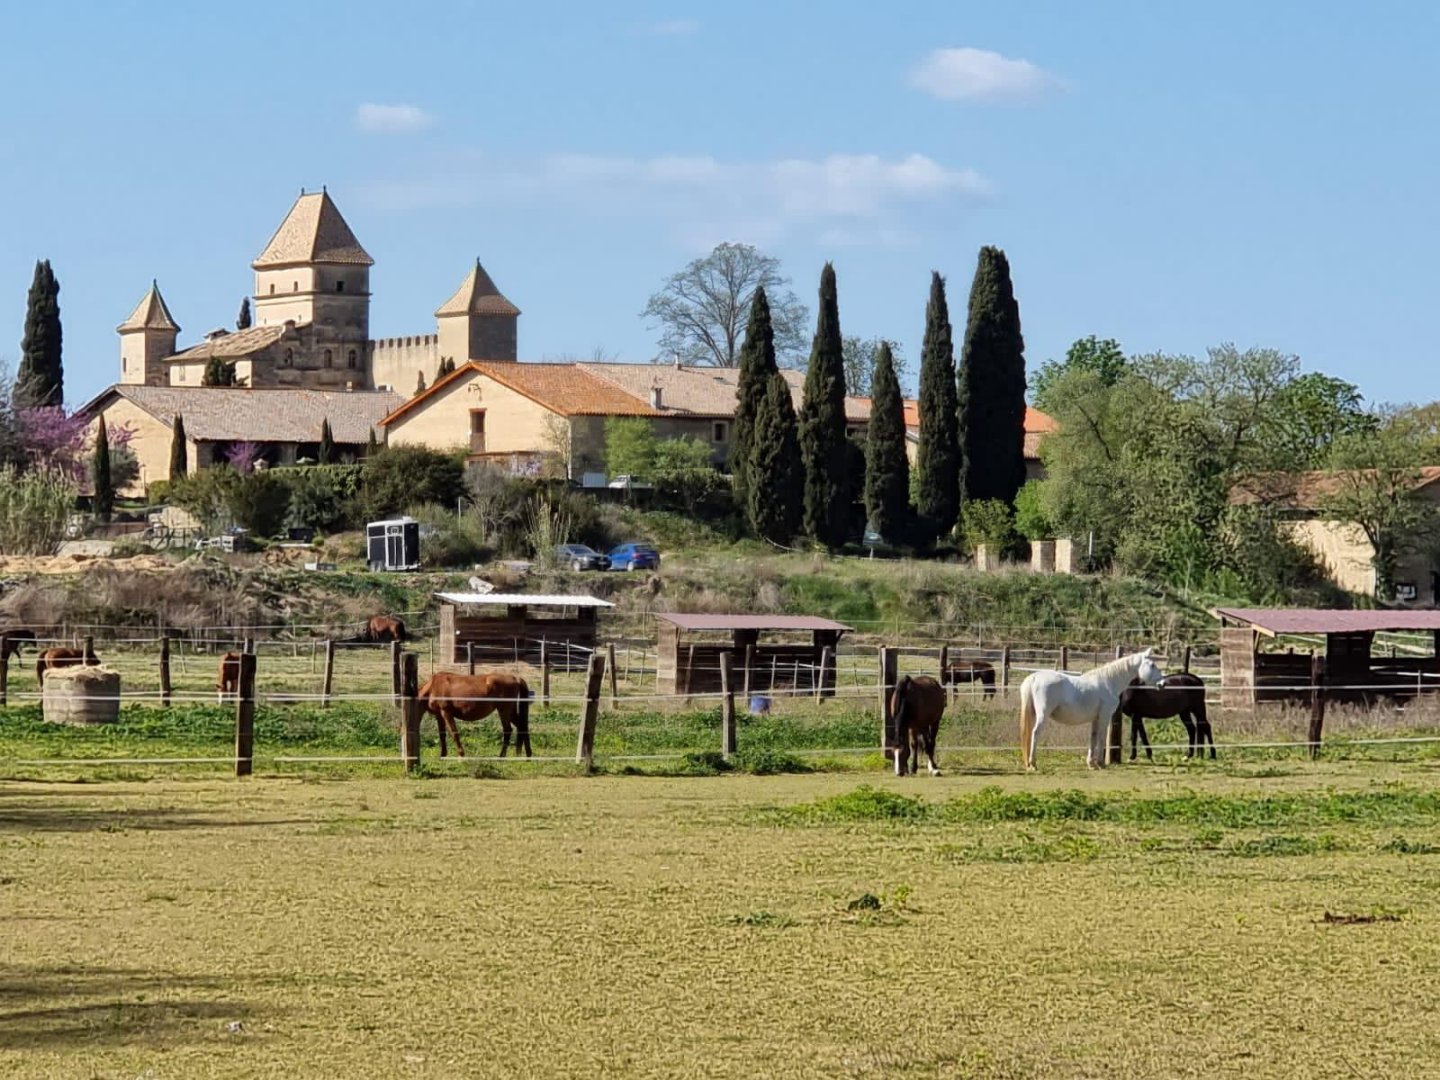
{"type": "Point", "coordinates": [477, 431]}
{"type": "Point", "coordinates": [718, 435]}
{"type": "Point", "coordinates": [351, 359]}
{"type": "Point", "coordinates": [339, 286]}
{"type": "Point", "coordinates": [272, 288]}
{"type": "Point", "coordinates": [124, 364]}
{"type": "Point", "coordinates": [289, 357]}
{"type": "Point", "coordinates": [295, 286]}
{"type": "Point", "coordinates": [329, 356]}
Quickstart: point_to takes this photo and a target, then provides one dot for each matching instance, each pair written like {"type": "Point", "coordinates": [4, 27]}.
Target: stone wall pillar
{"type": "Point", "coordinates": [987, 558]}
{"type": "Point", "coordinates": [1042, 556]}
{"type": "Point", "coordinates": [1064, 558]}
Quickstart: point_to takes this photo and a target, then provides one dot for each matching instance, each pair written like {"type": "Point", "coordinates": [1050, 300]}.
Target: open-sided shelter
{"type": "Point", "coordinates": [512, 627]}
{"type": "Point", "coordinates": [690, 647]}
{"type": "Point", "coordinates": [1249, 674]}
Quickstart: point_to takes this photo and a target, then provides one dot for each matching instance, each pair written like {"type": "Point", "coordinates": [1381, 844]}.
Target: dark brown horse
{"type": "Point", "coordinates": [972, 671]}
{"type": "Point", "coordinates": [58, 658]}
{"type": "Point", "coordinates": [1181, 695]}
{"type": "Point", "coordinates": [14, 639]}
{"type": "Point", "coordinates": [449, 696]}
{"type": "Point", "coordinates": [229, 681]}
{"type": "Point", "coordinates": [917, 705]}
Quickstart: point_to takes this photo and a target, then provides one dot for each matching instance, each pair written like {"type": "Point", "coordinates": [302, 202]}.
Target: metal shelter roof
{"type": "Point", "coordinates": [522, 599]}
{"type": "Point", "coordinates": [1274, 621]}
{"type": "Point", "coordinates": [701, 621]}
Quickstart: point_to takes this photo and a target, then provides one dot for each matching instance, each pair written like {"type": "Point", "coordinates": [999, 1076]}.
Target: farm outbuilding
{"type": "Point", "coordinates": [498, 628]}
{"type": "Point", "coordinates": [690, 647]}
{"type": "Point", "coordinates": [1251, 674]}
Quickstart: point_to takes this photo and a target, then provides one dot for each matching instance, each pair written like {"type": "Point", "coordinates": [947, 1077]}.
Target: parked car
{"type": "Point", "coordinates": [580, 557]}
{"type": "Point", "coordinates": [634, 557]}
{"type": "Point", "coordinates": [626, 482]}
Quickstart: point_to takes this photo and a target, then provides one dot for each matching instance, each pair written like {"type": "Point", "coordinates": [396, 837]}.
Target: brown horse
{"type": "Point", "coordinates": [229, 681]}
{"type": "Point", "coordinates": [1181, 695]}
{"type": "Point", "coordinates": [449, 696]}
{"type": "Point", "coordinates": [14, 639]}
{"type": "Point", "coordinates": [58, 658]}
{"type": "Point", "coordinates": [972, 671]}
{"type": "Point", "coordinates": [381, 629]}
{"type": "Point", "coordinates": [917, 705]}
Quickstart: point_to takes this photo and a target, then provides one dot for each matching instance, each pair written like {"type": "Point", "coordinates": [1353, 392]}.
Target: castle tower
{"type": "Point", "coordinates": [147, 337]}
{"type": "Point", "coordinates": [477, 323]}
{"type": "Point", "coordinates": [315, 273]}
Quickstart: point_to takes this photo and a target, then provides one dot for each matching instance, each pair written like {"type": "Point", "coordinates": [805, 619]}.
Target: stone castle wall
{"type": "Point", "coordinates": [395, 362]}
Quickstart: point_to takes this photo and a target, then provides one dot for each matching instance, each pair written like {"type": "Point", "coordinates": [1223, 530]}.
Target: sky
{"type": "Point", "coordinates": [1172, 176]}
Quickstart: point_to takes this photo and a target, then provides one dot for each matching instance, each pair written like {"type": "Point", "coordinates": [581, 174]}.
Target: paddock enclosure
{"type": "Point", "coordinates": [497, 628]}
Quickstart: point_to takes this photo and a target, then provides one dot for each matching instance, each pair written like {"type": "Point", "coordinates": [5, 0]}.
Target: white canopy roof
{"type": "Point", "coordinates": [522, 599]}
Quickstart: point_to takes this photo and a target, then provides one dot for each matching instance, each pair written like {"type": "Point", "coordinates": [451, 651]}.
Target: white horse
{"type": "Point", "coordinates": [1091, 699]}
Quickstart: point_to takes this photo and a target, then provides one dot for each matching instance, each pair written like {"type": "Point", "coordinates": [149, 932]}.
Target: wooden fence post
{"type": "Point", "coordinates": [1119, 651]}
{"type": "Point", "coordinates": [395, 675]}
{"type": "Point", "coordinates": [824, 667]}
{"type": "Point", "coordinates": [544, 676]}
{"type": "Point", "coordinates": [1186, 668]}
{"type": "Point", "coordinates": [89, 647]}
{"type": "Point", "coordinates": [889, 666]}
{"type": "Point", "coordinates": [328, 679]}
{"type": "Point", "coordinates": [590, 711]}
{"type": "Point", "coordinates": [610, 667]}
{"type": "Point", "coordinates": [1317, 703]}
{"type": "Point", "coordinates": [410, 711]}
{"type": "Point", "coordinates": [4, 669]}
{"type": "Point", "coordinates": [1005, 671]}
{"type": "Point", "coordinates": [470, 658]}
{"type": "Point", "coordinates": [245, 717]}
{"type": "Point", "coordinates": [165, 691]}
{"type": "Point", "coordinates": [1064, 657]}
{"type": "Point", "coordinates": [727, 708]}
{"type": "Point", "coordinates": [945, 670]}
{"type": "Point", "coordinates": [749, 666]}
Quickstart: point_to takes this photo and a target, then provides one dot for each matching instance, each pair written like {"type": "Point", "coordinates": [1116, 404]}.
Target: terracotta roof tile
{"type": "Point", "coordinates": [225, 414]}
{"type": "Point", "coordinates": [313, 232]}
{"type": "Point", "coordinates": [1304, 490]}
{"type": "Point", "coordinates": [477, 295]}
{"type": "Point", "coordinates": [565, 389]}
{"type": "Point", "coordinates": [233, 344]}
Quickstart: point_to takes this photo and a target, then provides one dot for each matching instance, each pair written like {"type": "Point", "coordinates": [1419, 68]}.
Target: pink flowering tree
{"type": "Point", "coordinates": [242, 457]}
{"type": "Point", "coordinates": [57, 441]}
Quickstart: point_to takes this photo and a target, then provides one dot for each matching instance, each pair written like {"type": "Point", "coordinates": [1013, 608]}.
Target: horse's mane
{"type": "Point", "coordinates": [1113, 667]}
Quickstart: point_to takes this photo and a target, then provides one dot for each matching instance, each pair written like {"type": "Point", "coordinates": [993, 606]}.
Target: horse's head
{"type": "Point", "coordinates": [1148, 672]}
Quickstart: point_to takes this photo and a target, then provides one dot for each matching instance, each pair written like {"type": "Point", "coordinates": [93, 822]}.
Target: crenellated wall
{"type": "Point", "coordinates": [395, 362]}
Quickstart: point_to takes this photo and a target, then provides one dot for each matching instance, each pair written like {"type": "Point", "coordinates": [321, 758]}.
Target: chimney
{"type": "Point", "coordinates": [655, 396]}
{"type": "Point", "coordinates": [677, 361]}
{"type": "Point", "coordinates": [349, 385]}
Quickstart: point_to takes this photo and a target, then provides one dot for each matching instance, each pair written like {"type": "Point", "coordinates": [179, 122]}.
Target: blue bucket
{"type": "Point", "coordinates": [759, 705]}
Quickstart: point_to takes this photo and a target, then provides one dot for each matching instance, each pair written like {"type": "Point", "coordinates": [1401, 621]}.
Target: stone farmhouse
{"type": "Point", "coordinates": [308, 357]}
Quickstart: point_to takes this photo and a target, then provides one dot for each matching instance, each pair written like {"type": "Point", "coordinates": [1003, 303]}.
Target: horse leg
{"type": "Point", "coordinates": [505, 732]}
{"type": "Point", "coordinates": [901, 752]}
{"type": "Point", "coordinates": [1189, 735]}
{"type": "Point", "coordinates": [440, 724]}
{"type": "Point", "coordinates": [451, 717]}
{"type": "Point", "coordinates": [930, 750]}
{"type": "Point", "coordinates": [1207, 733]}
{"type": "Point", "coordinates": [1137, 724]}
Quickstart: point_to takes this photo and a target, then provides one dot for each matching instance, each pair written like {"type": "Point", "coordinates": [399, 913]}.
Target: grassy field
{"type": "Point", "coordinates": [1262, 919]}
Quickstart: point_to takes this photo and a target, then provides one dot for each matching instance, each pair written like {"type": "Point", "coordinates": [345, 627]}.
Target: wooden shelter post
{"type": "Point", "coordinates": [727, 707]}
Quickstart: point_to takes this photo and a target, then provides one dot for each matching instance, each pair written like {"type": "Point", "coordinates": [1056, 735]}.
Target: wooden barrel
{"type": "Point", "coordinates": [81, 695]}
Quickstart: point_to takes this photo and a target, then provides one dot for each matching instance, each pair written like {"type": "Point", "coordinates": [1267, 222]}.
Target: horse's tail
{"type": "Point", "coordinates": [902, 708]}
{"type": "Point", "coordinates": [1027, 719]}
{"type": "Point", "coordinates": [423, 694]}
{"type": "Point", "coordinates": [40, 668]}
{"type": "Point", "coordinates": [522, 710]}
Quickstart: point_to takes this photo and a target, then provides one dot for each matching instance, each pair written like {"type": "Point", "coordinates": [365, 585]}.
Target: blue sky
{"type": "Point", "coordinates": [1266, 174]}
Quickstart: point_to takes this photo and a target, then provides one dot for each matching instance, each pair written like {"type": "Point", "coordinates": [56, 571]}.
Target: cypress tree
{"type": "Point", "coordinates": [242, 321]}
{"type": "Point", "coordinates": [372, 446]}
{"type": "Point", "coordinates": [887, 469]}
{"type": "Point", "coordinates": [218, 372]}
{"type": "Point", "coordinates": [777, 482]}
{"type": "Point", "coordinates": [829, 484]}
{"type": "Point", "coordinates": [938, 459]}
{"type": "Point", "coordinates": [40, 379]}
{"type": "Point", "coordinates": [991, 393]}
{"type": "Point", "coordinates": [178, 451]}
{"type": "Point", "coordinates": [104, 484]}
{"type": "Point", "coordinates": [327, 443]}
{"type": "Point", "coordinates": [756, 365]}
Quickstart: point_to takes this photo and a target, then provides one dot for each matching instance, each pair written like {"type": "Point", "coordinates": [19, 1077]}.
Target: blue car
{"type": "Point", "coordinates": [634, 557]}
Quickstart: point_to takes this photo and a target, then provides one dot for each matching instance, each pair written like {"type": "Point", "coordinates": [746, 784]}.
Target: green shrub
{"type": "Point", "coordinates": [323, 496]}
{"type": "Point", "coordinates": [258, 502]}
{"type": "Point", "coordinates": [769, 762]}
{"type": "Point", "coordinates": [987, 521]}
{"type": "Point", "coordinates": [457, 541]}
{"type": "Point", "coordinates": [35, 507]}
{"type": "Point", "coordinates": [398, 478]}
{"type": "Point", "coordinates": [205, 493]}
{"type": "Point", "coordinates": [1031, 521]}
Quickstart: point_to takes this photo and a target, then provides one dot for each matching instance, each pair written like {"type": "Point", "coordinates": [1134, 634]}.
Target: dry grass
{"type": "Point", "coordinates": [669, 927]}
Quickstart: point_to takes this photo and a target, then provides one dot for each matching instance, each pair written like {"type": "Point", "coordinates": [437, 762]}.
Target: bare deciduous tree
{"type": "Point", "coordinates": [702, 311]}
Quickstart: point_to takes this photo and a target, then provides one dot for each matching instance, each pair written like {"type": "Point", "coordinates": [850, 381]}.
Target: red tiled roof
{"type": "Point", "coordinates": [1305, 490]}
{"type": "Point", "coordinates": [1274, 621]}
{"type": "Point", "coordinates": [688, 621]}
{"type": "Point", "coordinates": [564, 389]}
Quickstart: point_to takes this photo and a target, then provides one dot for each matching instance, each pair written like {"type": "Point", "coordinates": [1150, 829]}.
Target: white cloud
{"type": "Point", "coordinates": [979, 75]}
{"type": "Point", "coordinates": [673, 28]}
{"type": "Point", "coordinates": [860, 197]}
{"type": "Point", "coordinates": [391, 119]}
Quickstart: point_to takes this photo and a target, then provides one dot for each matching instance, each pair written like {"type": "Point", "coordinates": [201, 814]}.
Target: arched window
{"type": "Point", "coordinates": [351, 359]}
{"type": "Point", "coordinates": [289, 357]}
{"type": "Point", "coordinates": [295, 286]}
{"type": "Point", "coordinates": [272, 288]}
{"type": "Point", "coordinates": [328, 357]}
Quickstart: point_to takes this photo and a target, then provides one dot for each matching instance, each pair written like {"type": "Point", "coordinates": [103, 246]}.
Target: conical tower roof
{"type": "Point", "coordinates": [313, 232]}
{"type": "Point", "coordinates": [150, 314]}
{"type": "Point", "coordinates": [477, 295]}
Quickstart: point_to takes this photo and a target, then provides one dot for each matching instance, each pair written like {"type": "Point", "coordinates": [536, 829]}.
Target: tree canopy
{"type": "Point", "coordinates": [937, 461]}
{"type": "Point", "coordinates": [991, 391]}
{"type": "Point", "coordinates": [887, 468]}
{"type": "Point", "coordinates": [830, 486]}
{"type": "Point", "coordinates": [40, 380]}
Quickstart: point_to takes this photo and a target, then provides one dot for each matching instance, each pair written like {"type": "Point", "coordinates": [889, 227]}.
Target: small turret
{"type": "Point", "coordinates": [147, 338]}
{"type": "Point", "coordinates": [478, 323]}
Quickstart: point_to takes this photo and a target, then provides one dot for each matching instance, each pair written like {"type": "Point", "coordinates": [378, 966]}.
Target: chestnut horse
{"type": "Point", "coordinates": [382, 628]}
{"type": "Point", "coordinates": [14, 639]}
{"type": "Point", "coordinates": [449, 696]}
{"type": "Point", "coordinates": [229, 682]}
{"type": "Point", "coordinates": [917, 705]}
{"type": "Point", "coordinates": [972, 671]}
{"type": "Point", "coordinates": [58, 658]}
